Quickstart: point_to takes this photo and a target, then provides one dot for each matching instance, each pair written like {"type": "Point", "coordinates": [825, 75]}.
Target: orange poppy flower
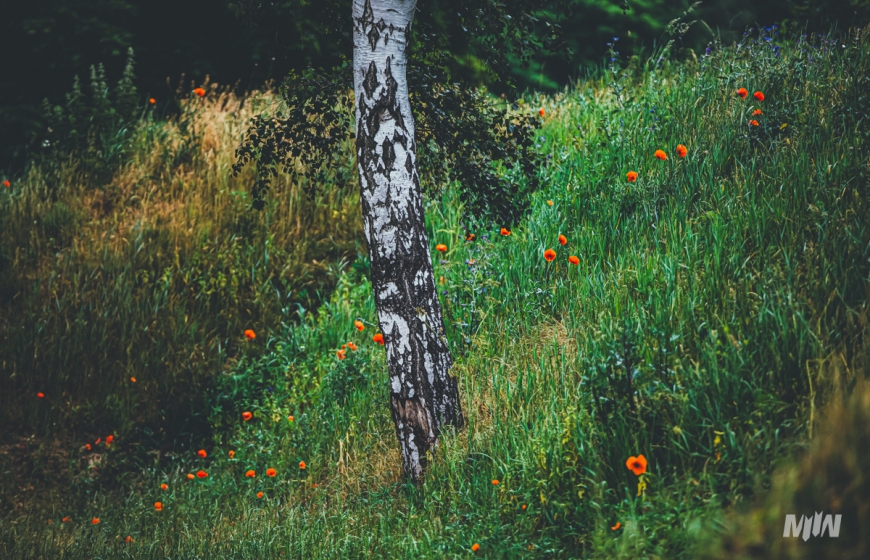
{"type": "Point", "coordinates": [199, 91]}
{"type": "Point", "coordinates": [758, 95]}
{"type": "Point", "coordinates": [541, 111]}
{"type": "Point", "coordinates": [682, 150]}
{"type": "Point", "coordinates": [562, 240]}
{"type": "Point", "coordinates": [259, 494]}
{"type": "Point", "coordinates": [549, 203]}
{"type": "Point", "coordinates": [88, 446]}
{"type": "Point", "coordinates": [202, 453]}
{"type": "Point", "coordinates": [742, 93]}
{"type": "Point", "coordinates": [617, 526]}
{"type": "Point", "coordinates": [109, 439]}
{"type": "Point", "coordinates": [40, 395]}
{"type": "Point", "coordinates": [469, 237]}
{"type": "Point", "coordinates": [359, 325]}
{"type": "Point", "coordinates": [475, 547]}
{"type": "Point", "coordinates": [441, 247]}
{"type": "Point", "coordinates": [505, 232]}
{"type": "Point", "coordinates": [250, 334]}
{"type": "Point", "coordinates": [132, 380]}
{"type": "Point", "coordinates": [201, 474]}
{"type": "Point", "coordinates": [753, 122]}
{"type": "Point", "coordinates": [247, 416]}
{"type": "Point", "coordinates": [495, 482]}
{"type": "Point", "coordinates": [573, 260]}
{"type": "Point", "coordinates": [158, 506]}
{"type": "Point", "coordinates": [6, 183]}
{"type": "Point", "coordinates": [637, 465]}
{"type": "Point", "coordinates": [379, 338]}
{"type": "Point", "coordinates": [129, 539]}
{"type": "Point", "coordinates": [164, 486]}
{"type": "Point", "coordinates": [314, 485]}
{"type": "Point", "coordinates": [95, 520]}
{"type": "Point", "coordinates": [631, 176]}
{"type": "Point", "coordinates": [524, 507]}
{"type": "Point", "coordinates": [152, 101]}
{"type": "Point", "coordinates": [549, 255]}
{"type": "Point", "coordinates": [302, 465]}
{"type": "Point", "coordinates": [271, 472]}
{"type": "Point", "coordinates": [341, 354]}
{"type": "Point", "coordinates": [65, 520]}
{"type": "Point", "coordinates": [352, 346]}
{"type": "Point", "coordinates": [290, 418]}
{"type": "Point", "coordinates": [250, 473]}
{"type": "Point", "coordinates": [756, 112]}
{"type": "Point", "coordinates": [232, 453]}
{"type": "Point", "coordinates": [660, 154]}
{"type": "Point", "coordinates": [190, 476]}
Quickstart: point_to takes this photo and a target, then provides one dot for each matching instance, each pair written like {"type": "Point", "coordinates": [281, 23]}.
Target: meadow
{"type": "Point", "coordinates": [706, 307]}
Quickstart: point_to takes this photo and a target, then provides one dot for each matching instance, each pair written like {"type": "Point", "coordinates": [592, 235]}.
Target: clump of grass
{"type": "Point", "coordinates": [711, 298]}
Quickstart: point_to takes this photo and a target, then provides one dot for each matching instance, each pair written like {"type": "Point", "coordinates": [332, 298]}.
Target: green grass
{"type": "Point", "coordinates": [719, 305]}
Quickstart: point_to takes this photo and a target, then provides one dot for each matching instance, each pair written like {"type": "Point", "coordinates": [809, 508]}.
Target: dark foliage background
{"type": "Point", "coordinates": [46, 43]}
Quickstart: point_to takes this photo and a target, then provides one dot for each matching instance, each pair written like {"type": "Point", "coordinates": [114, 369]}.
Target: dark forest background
{"type": "Point", "coordinates": [45, 43]}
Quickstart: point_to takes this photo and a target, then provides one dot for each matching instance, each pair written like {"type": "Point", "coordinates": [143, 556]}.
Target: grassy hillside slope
{"type": "Point", "coordinates": [719, 306]}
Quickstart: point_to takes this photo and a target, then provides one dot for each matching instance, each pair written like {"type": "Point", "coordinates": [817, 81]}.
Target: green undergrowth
{"type": "Point", "coordinates": [719, 305]}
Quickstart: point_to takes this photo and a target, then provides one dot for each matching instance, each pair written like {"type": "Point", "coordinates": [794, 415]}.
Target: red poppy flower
{"type": "Point", "coordinates": [190, 476]}
{"type": "Point", "coordinates": [132, 380]}
{"type": "Point", "coordinates": [660, 154]}
{"type": "Point", "coordinates": [359, 325]}
{"type": "Point", "coordinates": [199, 91]}
{"type": "Point", "coordinates": [549, 203]}
{"type": "Point", "coordinates": [742, 93]}
{"type": "Point", "coordinates": [259, 494]}
{"type": "Point", "coordinates": [682, 150]}
{"type": "Point", "coordinates": [637, 465]}
{"type": "Point", "coordinates": [631, 176]}
{"type": "Point", "coordinates": [152, 101]}
{"type": "Point", "coordinates": [475, 547]}
{"type": "Point", "coordinates": [549, 255]}
{"type": "Point", "coordinates": [40, 395]}
{"type": "Point", "coordinates": [6, 183]}
{"type": "Point", "coordinates": [756, 113]}
{"type": "Point", "coordinates": [65, 520]}
{"type": "Point", "coordinates": [250, 474]}
{"type": "Point", "coordinates": [290, 418]}
{"type": "Point", "coordinates": [201, 474]}
{"type": "Point", "coordinates": [441, 247]}
{"type": "Point", "coordinates": [505, 232]}
{"type": "Point", "coordinates": [753, 122]}
{"type": "Point", "coordinates": [469, 237]}
{"type": "Point", "coordinates": [524, 507]}
{"type": "Point", "coordinates": [250, 334]}
{"type": "Point", "coordinates": [302, 465]}
{"type": "Point", "coordinates": [271, 472]}
{"type": "Point", "coordinates": [495, 482]}
{"type": "Point", "coordinates": [99, 439]}
{"type": "Point", "coordinates": [562, 240]}
{"type": "Point", "coordinates": [379, 338]}
{"type": "Point", "coordinates": [247, 416]}
{"type": "Point", "coordinates": [202, 453]}
{"type": "Point", "coordinates": [341, 354]}
{"type": "Point", "coordinates": [129, 539]}
{"type": "Point", "coordinates": [95, 520]}
{"type": "Point", "coordinates": [541, 111]}
{"type": "Point", "coordinates": [109, 439]}
{"type": "Point", "coordinates": [158, 506]}
{"type": "Point", "coordinates": [573, 260]}
{"type": "Point", "coordinates": [232, 454]}
{"type": "Point", "coordinates": [758, 95]}
{"type": "Point", "coordinates": [352, 346]}
{"type": "Point", "coordinates": [617, 526]}
{"type": "Point", "coordinates": [88, 446]}
{"type": "Point", "coordinates": [164, 486]}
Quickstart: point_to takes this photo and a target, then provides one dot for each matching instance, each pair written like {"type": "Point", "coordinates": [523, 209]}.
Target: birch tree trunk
{"type": "Point", "coordinates": [424, 397]}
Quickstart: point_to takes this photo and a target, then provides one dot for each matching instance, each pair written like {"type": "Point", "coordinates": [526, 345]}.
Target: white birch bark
{"type": "Point", "coordinates": [424, 397]}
